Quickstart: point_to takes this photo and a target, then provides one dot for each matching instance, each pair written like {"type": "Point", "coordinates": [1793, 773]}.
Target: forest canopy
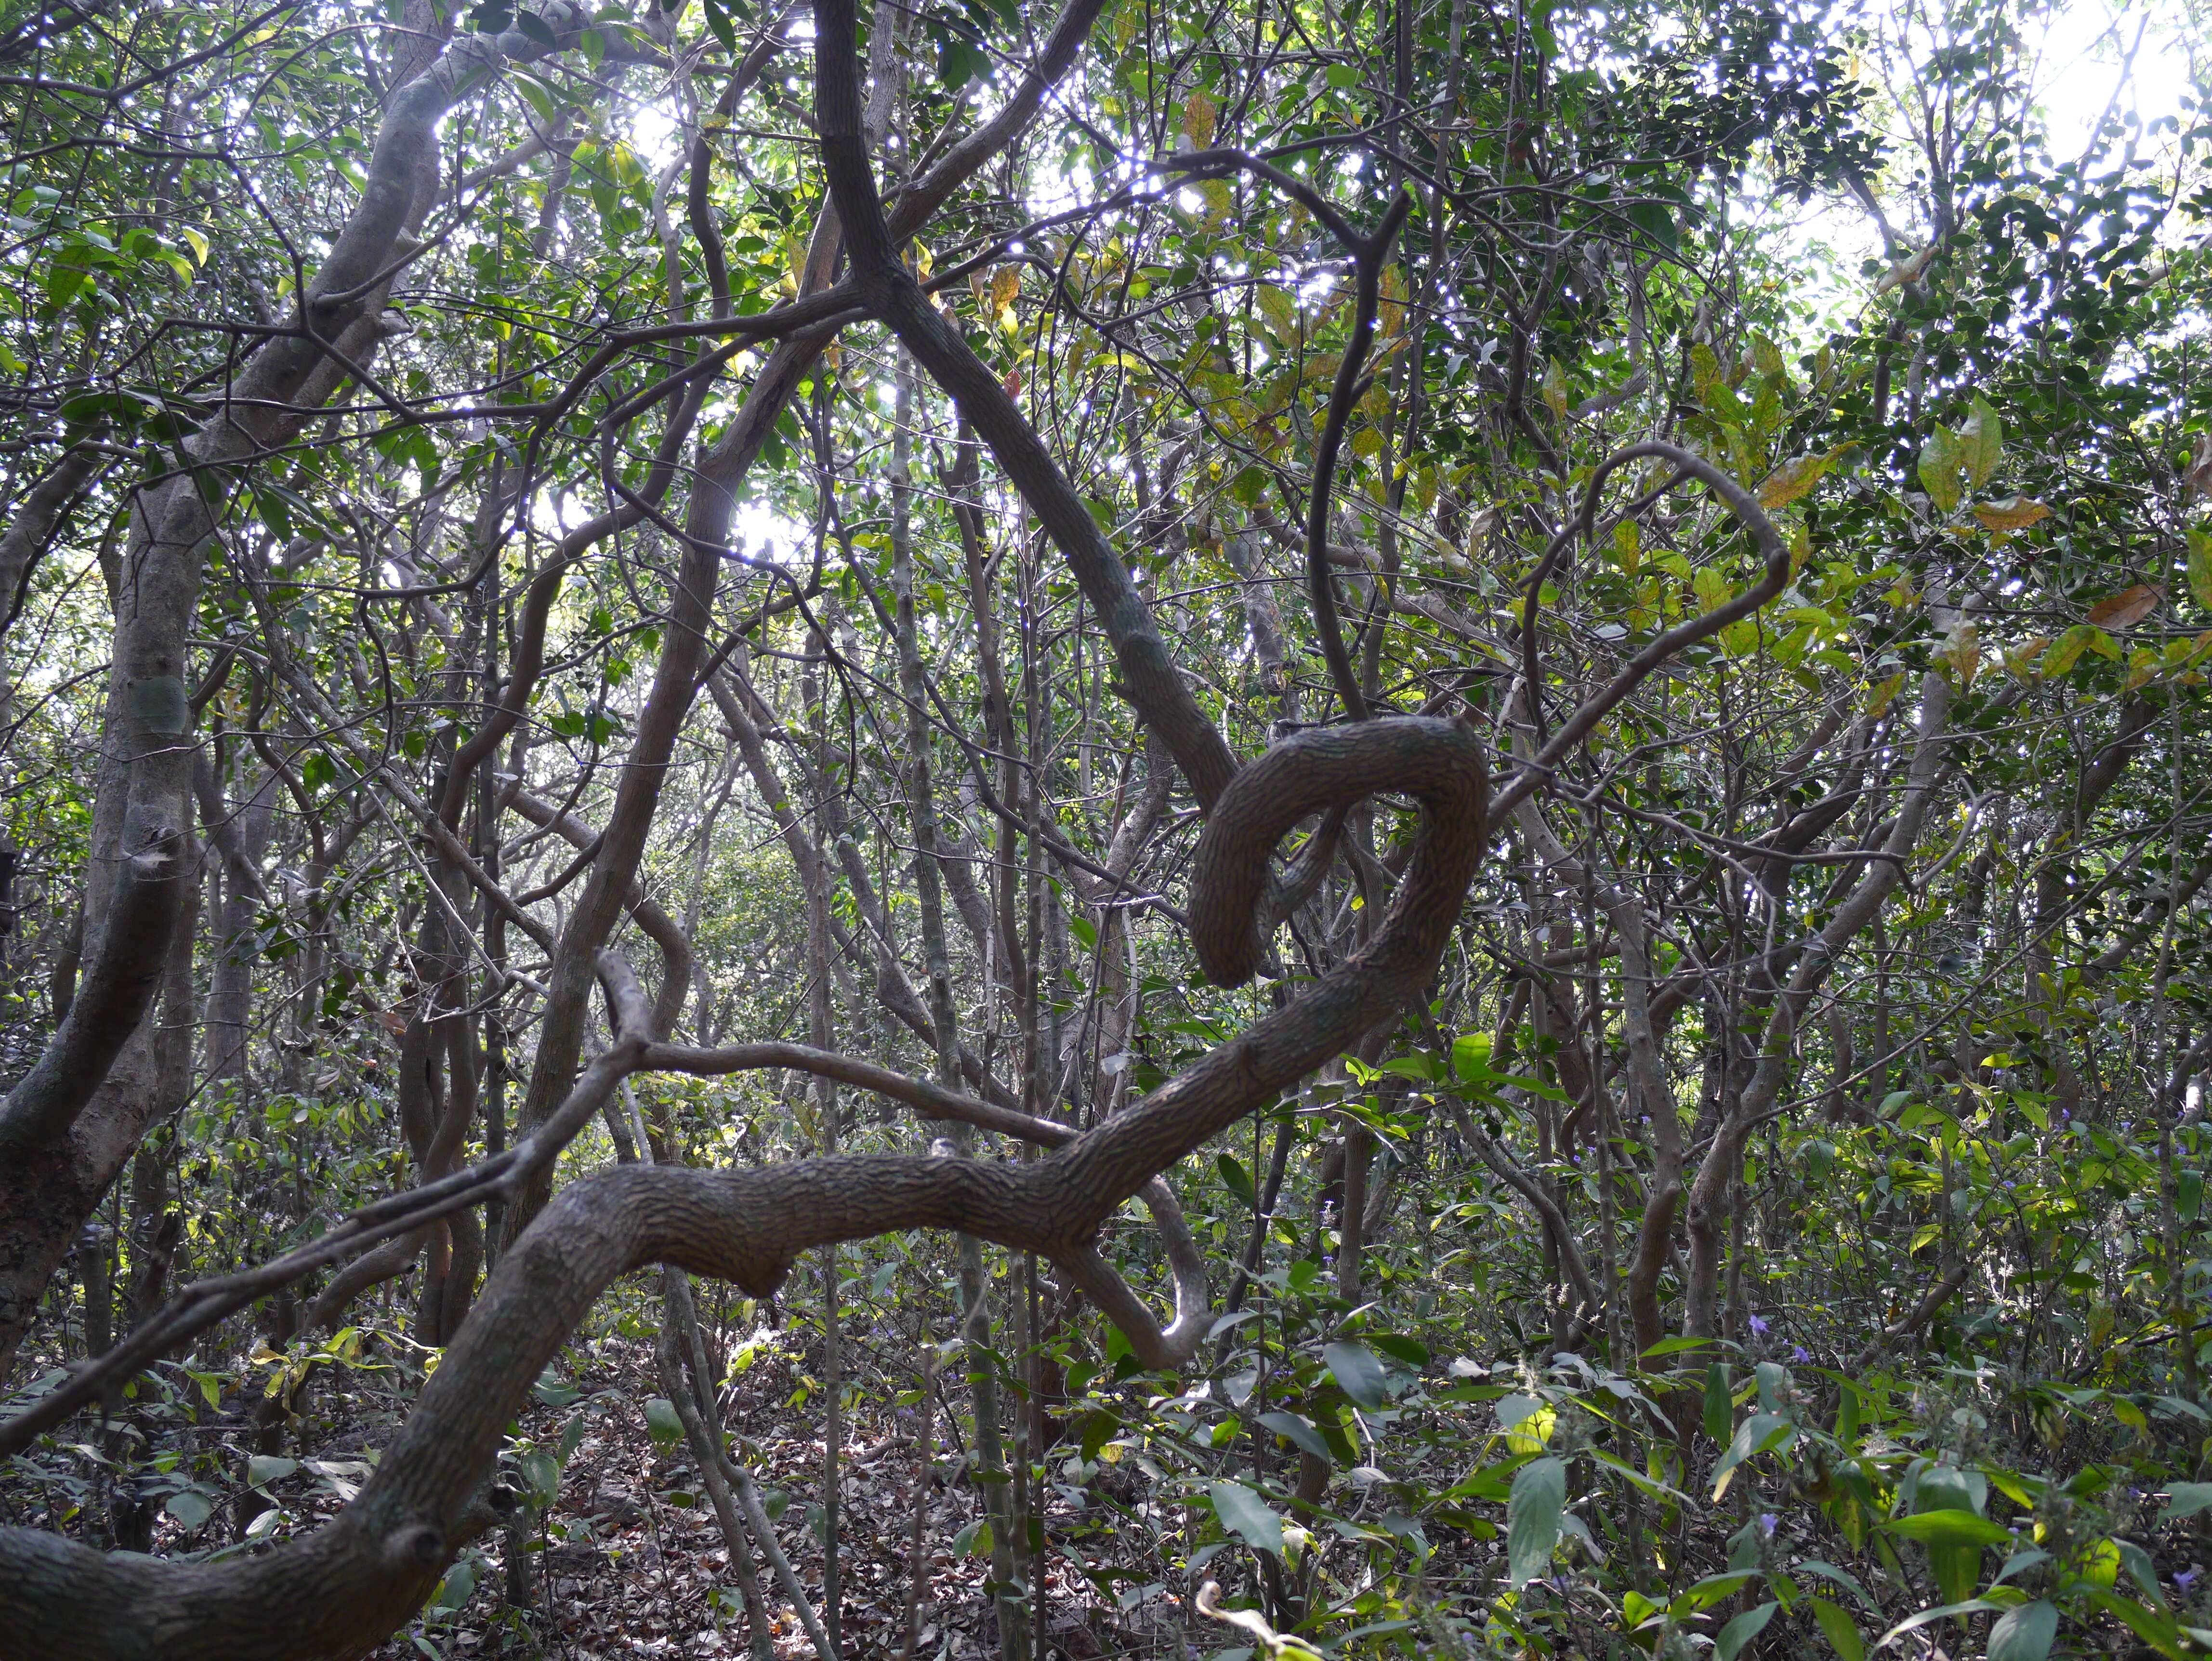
{"type": "Point", "coordinates": [969, 829]}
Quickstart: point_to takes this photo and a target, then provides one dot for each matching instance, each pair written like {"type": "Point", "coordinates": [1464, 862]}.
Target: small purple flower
{"type": "Point", "coordinates": [2184, 1580]}
{"type": "Point", "coordinates": [1800, 1355]}
{"type": "Point", "coordinates": [1768, 1522]}
{"type": "Point", "coordinates": [1759, 1326]}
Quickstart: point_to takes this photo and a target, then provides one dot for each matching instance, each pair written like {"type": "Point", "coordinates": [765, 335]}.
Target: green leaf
{"type": "Point", "coordinates": [1719, 1411]}
{"type": "Point", "coordinates": [2155, 1627]}
{"type": "Point", "coordinates": [2185, 1499]}
{"type": "Point", "coordinates": [1300, 1430]}
{"type": "Point", "coordinates": [1758, 1434]}
{"type": "Point", "coordinates": [1841, 1631]}
{"type": "Point", "coordinates": [1829, 1572]}
{"type": "Point", "coordinates": [1097, 1431]}
{"type": "Point", "coordinates": [263, 1469]}
{"type": "Point", "coordinates": [1532, 1519]}
{"type": "Point", "coordinates": [1655, 223]}
{"type": "Point", "coordinates": [1741, 1630]}
{"type": "Point", "coordinates": [2200, 565]}
{"type": "Point", "coordinates": [529, 23]}
{"type": "Point", "coordinates": [662, 1422]}
{"type": "Point", "coordinates": [190, 1506]}
{"type": "Point", "coordinates": [1355, 1368]}
{"type": "Point", "coordinates": [718, 20]}
{"type": "Point", "coordinates": [1949, 1527]}
{"type": "Point", "coordinates": [2024, 1634]}
{"type": "Point", "coordinates": [1928, 1617]}
{"type": "Point", "coordinates": [1244, 1514]}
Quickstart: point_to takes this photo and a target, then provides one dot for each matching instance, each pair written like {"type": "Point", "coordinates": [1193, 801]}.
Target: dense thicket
{"type": "Point", "coordinates": [815, 649]}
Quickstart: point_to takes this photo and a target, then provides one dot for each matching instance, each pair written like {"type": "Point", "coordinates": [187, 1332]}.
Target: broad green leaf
{"type": "Point", "coordinates": [1828, 1571]}
{"type": "Point", "coordinates": [1244, 1514]}
{"type": "Point", "coordinates": [662, 1422]}
{"type": "Point", "coordinates": [1719, 1411]}
{"type": "Point", "coordinates": [1300, 1430]}
{"type": "Point", "coordinates": [1532, 1519]}
{"type": "Point", "coordinates": [190, 1506]}
{"type": "Point", "coordinates": [1949, 1527]}
{"type": "Point", "coordinates": [2200, 565]}
{"type": "Point", "coordinates": [1356, 1369]}
{"type": "Point", "coordinates": [263, 1469]}
{"type": "Point", "coordinates": [2185, 1499]}
{"type": "Point", "coordinates": [2024, 1634]}
{"type": "Point", "coordinates": [1929, 1617]}
{"type": "Point", "coordinates": [1741, 1630]}
{"type": "Point", "coordinates": [1840, 1630]}
{"type": "Point", "coordinates": [1756, 1435]}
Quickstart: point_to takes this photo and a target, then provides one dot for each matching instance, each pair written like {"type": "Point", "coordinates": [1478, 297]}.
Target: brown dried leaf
{"type": "Point", "coordinates": [2125, 609]}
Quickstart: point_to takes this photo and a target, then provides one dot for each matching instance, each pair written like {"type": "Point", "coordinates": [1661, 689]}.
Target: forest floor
{"type": "Point", "coordinates": [630, 1560]}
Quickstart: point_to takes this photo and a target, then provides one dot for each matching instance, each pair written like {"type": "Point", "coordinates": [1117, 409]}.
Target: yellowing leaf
{"type": "Point", "coordinates": [1793, 479]}
{"type": "Point", "coordinates": [2200, 566]}
{"type": "Point", "coordinates": [1981, 443]}
{"type": "Point", "coordinates": [196, 242]}
{"type": "Point", "coordinates": [2071, 644]}
{"type": "Point", "coordinates": [1281, 310]}
{"type": "Point", "coordinates": [1390, 310]}
{"type": "Point", "coordinates": [2013, 514]}
{"type": "Point", "coordinates": [2020, 658]}
{"type": "Point", "coordinates": [1882, 696]}
{"type": "Point", "coordinates": [1939, 467]}
{"type": "Point", "coordinates": [1906, 271]}
{"type": "Point", "coordinates": [2125, 609]}
{"type": "Point", "coordinates": [1711, 588]}
{"type": "Point", "coordinates": [1199, 116]}
{"type": "Point", "coordinates": [2142, 664]}
{"type": "Point", "coordinates": [1628, 546]}
{"type": "Point", "coordinates": [1005, 289]}
{"type": "Point", "coordinates": [1555, 390]}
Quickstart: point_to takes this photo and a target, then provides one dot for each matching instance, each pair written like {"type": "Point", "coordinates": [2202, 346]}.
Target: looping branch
{"type": "Point", "coordinates": [337, 1593]}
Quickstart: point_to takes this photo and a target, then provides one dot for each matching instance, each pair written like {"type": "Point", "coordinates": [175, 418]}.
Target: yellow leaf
{"type": "Point", "coordinates": [1005, 289]}
{"type": "Point", "coordinates": [1962, 651]}
{"type": "Point", "coordinates": [2142, 664]}
{"type": "Point", "coordinates": [2125, 609]}
{"type": "Point", "coordinates": [196, 242]}
{"type": "Point", "coordinates": [1883, 695]}
{"type": "Point", "coordinates": [2018, 660]}
{"type": "Point", "coordinates": [1906, 271]}
{"type": "Point", "coordinates": [1390, 312]}
{"type": "Point", "coordinates": [1628, 546]}
{"type": "Point", "coordinates": [2013, 514]}
{"type": "Point", "coordinates": [1199, 116]}
{"type": "Point", "coordinates": [1555, 390]}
